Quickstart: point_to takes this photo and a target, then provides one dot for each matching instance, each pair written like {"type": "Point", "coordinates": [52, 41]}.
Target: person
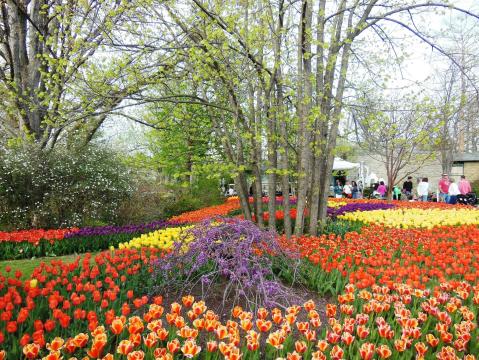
{"type": "Point", "coordinates": [453, 191]}
{"type": "Point", "coordinates": [382, 189]}
{"type": "Point", "coordinates": [355, 189]}
{"type": "Point", "coordinates": [338, 189]}
{"type": "Point", "coordinates": [407, 187]}
{"type": "Point", "coordinates": [443, 186]}
{"type": "Point", "coordinates": [464, 186]}
{"type": "Point", "coordinates": [396, 193]}
{"type": "Point", "coordinates": [347, 190]}
{"type": "Point", "coordinates": [423, 190]}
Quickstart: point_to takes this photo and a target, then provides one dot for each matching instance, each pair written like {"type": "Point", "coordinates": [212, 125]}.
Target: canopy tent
{"type": "Point", "coordinates": [340, 164]}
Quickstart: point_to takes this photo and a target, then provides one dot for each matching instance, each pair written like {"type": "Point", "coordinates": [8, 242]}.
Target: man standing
{"type": "Point", "coordinates": [464, 186]}
{"type": "Point", "coordinates": [407, 187]}
{"type": "Point", "coordinates": [444, 188]}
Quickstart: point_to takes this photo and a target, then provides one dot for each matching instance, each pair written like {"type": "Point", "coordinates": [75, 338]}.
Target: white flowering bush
{"type": "Point", "coordinates": [61, 187]}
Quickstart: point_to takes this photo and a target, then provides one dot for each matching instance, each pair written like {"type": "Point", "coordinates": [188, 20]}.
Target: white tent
{"type": "Point", "coordinates": [340, 164]}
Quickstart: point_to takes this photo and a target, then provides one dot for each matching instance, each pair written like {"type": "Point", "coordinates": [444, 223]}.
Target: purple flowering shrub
{"type": "Point", "coordinates": [230, 251]}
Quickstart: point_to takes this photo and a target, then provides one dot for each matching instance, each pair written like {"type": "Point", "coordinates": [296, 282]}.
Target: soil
{"type": "Point", "coordinates": [213, 298]}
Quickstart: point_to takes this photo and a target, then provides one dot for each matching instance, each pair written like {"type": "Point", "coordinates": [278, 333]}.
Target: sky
{"type": "Point", "coordinates": [420, 65]}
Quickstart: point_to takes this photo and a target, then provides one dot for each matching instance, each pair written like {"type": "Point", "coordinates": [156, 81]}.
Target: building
{"type": "Point", "coordinates": [463, 164]}
{"type": "Point", "coordinates": [466, 164]}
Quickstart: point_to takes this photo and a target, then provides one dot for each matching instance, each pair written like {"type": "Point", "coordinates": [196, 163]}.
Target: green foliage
{"type": "Point", "coordinates": [475, 187]}
{"type": "Point", "coordinates": [205, 192]}
{"type": "Point", "coordinates": [60, 188]}
{"type": "Point", "coordinates": [341, 227]}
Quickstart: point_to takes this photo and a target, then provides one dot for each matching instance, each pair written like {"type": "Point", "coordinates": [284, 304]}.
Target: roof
{"type": "Point", "coordinates": [472, 156]}
{"type": "Point", "coordinates": [340, 164]}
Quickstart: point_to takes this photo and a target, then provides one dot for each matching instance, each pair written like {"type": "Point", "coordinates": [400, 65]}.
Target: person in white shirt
{"type": "Point", "coordinates": [347, 190]}
{"type": "Point", "coordinates": [453, 192]}
{"type": "Point", "coordinates": [423, 189]}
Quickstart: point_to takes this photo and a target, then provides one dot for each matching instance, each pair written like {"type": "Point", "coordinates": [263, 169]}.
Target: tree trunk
{"type": "Point", "coordinates": [316, 171]}
{"type": "Point", "coordinates": [304, 110]}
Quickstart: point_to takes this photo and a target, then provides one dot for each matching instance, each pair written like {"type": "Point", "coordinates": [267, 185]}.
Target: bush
{"type": "Point", "coordinates": [61, 187]}
{"type": "Point", "coordinates": [475, 187]}
{"type": "Point", "coordinates": [205, 192]}
{"type": "Point", "coordinates": [232, 250]}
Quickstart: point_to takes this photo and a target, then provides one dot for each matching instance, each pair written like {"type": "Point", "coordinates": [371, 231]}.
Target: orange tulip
{"type": "Point", "coordinates": [347, 338]}
{"type": "Point", "coordinates": [117, 326]}
{"type": "Point", "coordinates": [56, 344]}
{"type": "Point", "coordinates": [293, 356]}
{"type": "Point", "coordinates": [336, 353]}
{"type": "Point", "coordinates": [221, 332]}
{"type": "Point", "coordinates": [263, 325]}
{"type": "Point", "coordinates": [384, 351]}
{"type": "Point", "coordinates": [322, 345]}
{"type": "Point", "coordinates": [162, 334]}
{"type": "Point", "coordinates": [173, 346]}
{"type": "Point", "coordinates": [302, 327]}
{"type": "Point", "coordinates": [190, 349]}
{"type": "Point", "coordinates": [276, 339]}
{"type": "Point", "coordinates": [362, 331]}
{"type": "Point", "coordinates": [136, 355]}
{"type": "Point", "coordinates": [31, 351]}
{"type": "Point", "coordinates": [150, 340]}
{"type": "Point", "coordinates": [211, 346]}
{"type": "Point", "coordinates": [318, 355]}
{"type": "Point", "coordinates": [367, 351]}
{"type": "Point", "coordinates": [188, 300]}
{"type": "Point", "coordinates": [300, 346]}
{"type": "Point", "coordinates": [125, 347]}
{"type": "Point", "coordinates": [54, 355]}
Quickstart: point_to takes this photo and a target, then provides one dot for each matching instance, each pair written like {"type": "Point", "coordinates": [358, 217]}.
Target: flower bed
{"type": "Point", "coordinates": [71, 241]}
{"type": "Point", "coordinates": [65, 299]}
{"type": "Point", "coordinates": [404, 293]}
{"type": "Point", "coordinates": [378, 323]}
{"type": "Point", "coordinates": [209, 212]}
{"type": "Point", "coordinates": [417, 257]}
{"type": "Point", "coordinates": [416, 218]}
{"type": "Point", "coordinates": [353, 207]}
{"type": "Point", "coordinates": [161, 239]}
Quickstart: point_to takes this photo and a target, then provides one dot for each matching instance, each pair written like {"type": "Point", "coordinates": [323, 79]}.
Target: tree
{"type": "Point", "coordinates": [397, 134]}
{"type": "Point", "coordinates": [226, 43]}
{"type": "Point", "coordinates": [48, 81]}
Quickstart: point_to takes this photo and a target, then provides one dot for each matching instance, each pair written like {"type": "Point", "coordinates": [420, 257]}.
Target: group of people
{"type": "Point", "coordinates": [449, 190]}
{"type": "Point", "coordinates": [352, 190]}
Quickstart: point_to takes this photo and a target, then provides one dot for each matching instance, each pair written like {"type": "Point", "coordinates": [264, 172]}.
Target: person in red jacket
{"type": "Point", "coordinates": [444, 188]}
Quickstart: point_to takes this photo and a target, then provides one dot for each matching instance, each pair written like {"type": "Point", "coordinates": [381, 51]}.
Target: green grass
{"type": "Point", "coordinates": [26, 266]}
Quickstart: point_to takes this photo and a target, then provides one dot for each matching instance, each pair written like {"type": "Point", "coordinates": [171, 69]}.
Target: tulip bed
{"type": "Point", "coordinates": [161, 239]}
{"type": "Point", "coordinates": [415, 218]}
{"type": "Point", "coordinates": [403, 291]}
{"type": "Point", "coordinates": [39, 243]}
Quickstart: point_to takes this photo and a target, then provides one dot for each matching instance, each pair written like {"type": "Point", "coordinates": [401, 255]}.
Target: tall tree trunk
{"type": "Point", "coordinates": [316, 171]}
{"type": "Point", "coordinates": [304, 110]}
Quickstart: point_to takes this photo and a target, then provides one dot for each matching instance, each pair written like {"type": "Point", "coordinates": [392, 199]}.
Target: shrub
{"type": "Point", "coordinates": [233, 250]}
{"type": "Point", "coordinates": [61, 187]}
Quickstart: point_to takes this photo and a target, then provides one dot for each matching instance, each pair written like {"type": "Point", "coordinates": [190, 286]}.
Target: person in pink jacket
{"type": "Point", "coordinates": [464, 186]}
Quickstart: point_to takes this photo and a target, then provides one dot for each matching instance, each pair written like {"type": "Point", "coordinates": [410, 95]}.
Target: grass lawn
{"type": "Point", "coordinates": [26, 266]}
